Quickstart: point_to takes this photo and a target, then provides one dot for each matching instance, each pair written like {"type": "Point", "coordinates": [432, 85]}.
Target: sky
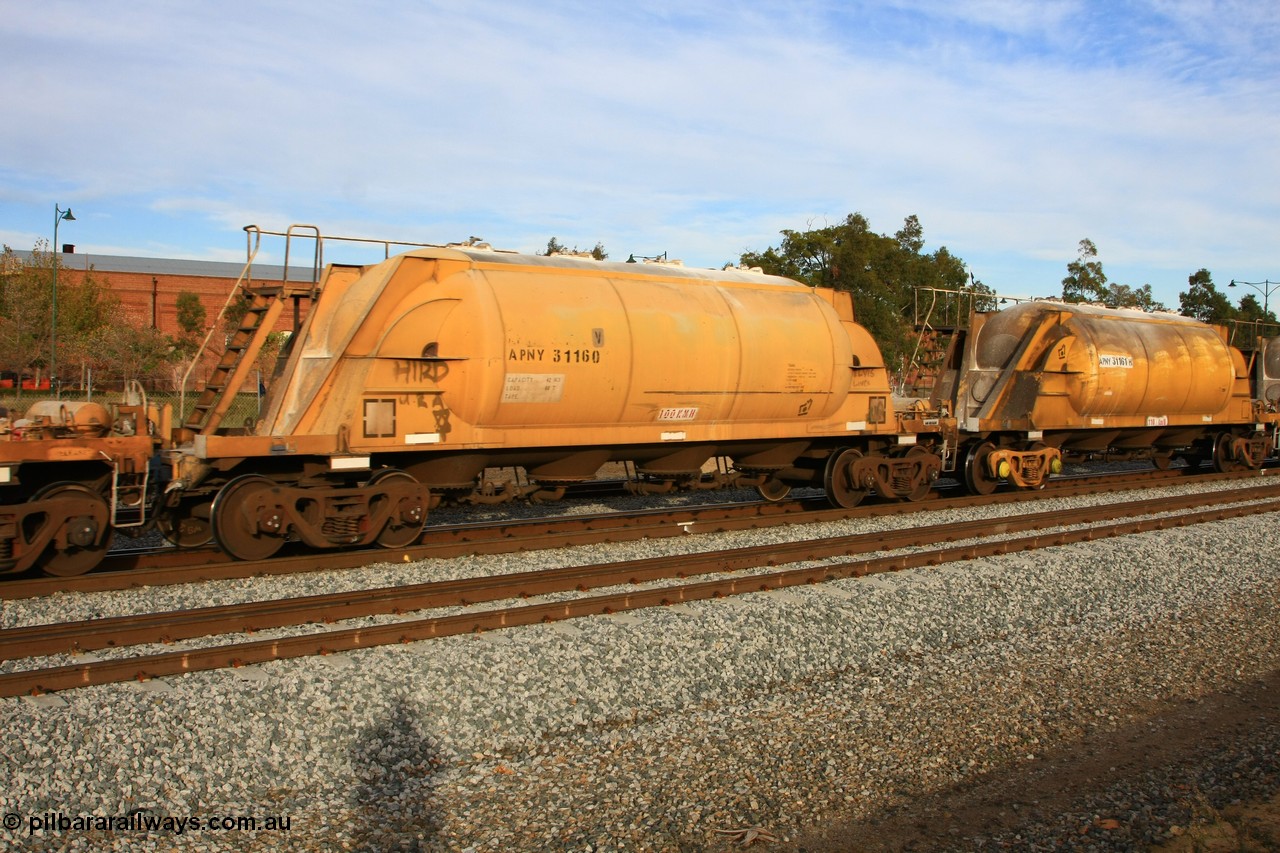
{"type": "Point", "coordinates": [1012, 129]}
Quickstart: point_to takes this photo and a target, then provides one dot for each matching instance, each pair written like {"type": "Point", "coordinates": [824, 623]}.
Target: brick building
{"type": "Point", "coordinates": [148, 289]}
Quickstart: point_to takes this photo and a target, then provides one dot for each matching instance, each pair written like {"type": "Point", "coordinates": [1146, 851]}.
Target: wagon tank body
{"type": "Point", "coordinates": [410, 378]}
{"type": "Point", "coordinates": [1123, 367]}
{"type": "Point", "coordinates": [1085, 379]}
{"type": "Point", "coordinates": [474, 350]}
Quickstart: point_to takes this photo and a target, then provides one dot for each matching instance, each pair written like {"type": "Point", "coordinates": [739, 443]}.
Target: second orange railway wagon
{"type": "Point", "coordinates": [1044, 378]}
{"type": "Point", "coordinates": [412, 377]}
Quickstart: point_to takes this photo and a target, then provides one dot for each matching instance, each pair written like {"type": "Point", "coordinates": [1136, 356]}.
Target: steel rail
{"type": "Point", "coordinates": [166, 627]}
{"type": "Point", "coordinates": [239, 654]}
{"type": "Point", "coordinates": [187, 566]}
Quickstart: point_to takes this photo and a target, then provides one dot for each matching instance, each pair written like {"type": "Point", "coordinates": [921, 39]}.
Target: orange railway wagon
{"type": "Point", "coordinates": [71, 475]}
{"type": "Point", "coordinates": [1043, 379]}
{"type": "Point", "coordinates": [413, 377]}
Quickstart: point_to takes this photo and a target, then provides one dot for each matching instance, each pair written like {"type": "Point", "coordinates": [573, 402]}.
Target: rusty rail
{"type": "Point", "coordinates": [169, 566]}
{"type": "Point", "coordinates": [536, 583]}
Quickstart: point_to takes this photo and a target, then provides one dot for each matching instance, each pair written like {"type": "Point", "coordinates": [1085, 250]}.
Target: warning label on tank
{"type": "Point", "coordinates": [533, 388]}
{"type": "Point", "coordinates": [799, 377]}
{"type": "Point", "coordinates": [1124, 361]}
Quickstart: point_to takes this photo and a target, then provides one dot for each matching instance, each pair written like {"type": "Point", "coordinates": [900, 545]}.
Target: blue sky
{"type": "Point", "coordinates": [1011, 129]}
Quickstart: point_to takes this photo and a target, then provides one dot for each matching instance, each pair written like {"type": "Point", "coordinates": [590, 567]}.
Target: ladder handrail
{"type": "Point", "coordinates": [247, 272]}
{"type": "Point", "coordinates": [237, 361]}
{"type": "Point", "coordinates": [317, 263]}
{"type": "Point", "coordinates": [921, 327]}
{"type": "Point", "coordinates": [253, 242]}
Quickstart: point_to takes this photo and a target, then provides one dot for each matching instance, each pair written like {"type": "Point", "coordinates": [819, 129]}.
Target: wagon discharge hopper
{"type": "Point", "coordinates": [412, 377]}
{"type": "Point", "coordinates": [1043, 379]}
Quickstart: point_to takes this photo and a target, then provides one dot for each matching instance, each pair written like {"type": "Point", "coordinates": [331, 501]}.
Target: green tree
{"type": "Point", "coordinates": [882, 273]}
{"type": "Point", "coordinates": [1085, 281]}
{"type": "Point", "coordinates": [911, 236]}
{"type": "Point", "coordinates": [234, 312]}
{"type": "Point", "coordinates": [977, 294]}
{"type": "Point", "coordinates": [1124, 296]}
{"type": "Point", "coordinates": [1251, 310]}
{"type": "Point", "coordinates": [25, 302]}
{"type": "Point", "coordinates": [191, 314]}
{"type": "Point", "coordinates": [85, 306]}
{"type": "Point", "coordinates": [86, 309]}
{"type": "Point", "coordinates": [191, 328]}
{"type": "Point", "coordinates": [268, 358]}
{"type": "Point", "coordinates": [129, 350]}
{"type": "Point", "coordinates": [555, 247]}
{"type": "Point", "coordinates": [1204, 301]}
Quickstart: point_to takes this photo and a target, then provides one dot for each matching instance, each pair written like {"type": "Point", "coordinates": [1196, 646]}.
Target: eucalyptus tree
{"type": "Point", "coordinates": [1204, 301]}
{"type": "Point", "coordinates": [882, 273]}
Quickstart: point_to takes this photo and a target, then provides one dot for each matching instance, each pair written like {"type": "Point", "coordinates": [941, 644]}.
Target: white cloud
{"type": "Point", "coordinates": [1012, 129]}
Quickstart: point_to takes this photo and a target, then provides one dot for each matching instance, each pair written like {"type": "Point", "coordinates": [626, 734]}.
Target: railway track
{"type": "Point", "coordinates": [46, 640]}
{"type": "Point", "coordinates": [172, 566]}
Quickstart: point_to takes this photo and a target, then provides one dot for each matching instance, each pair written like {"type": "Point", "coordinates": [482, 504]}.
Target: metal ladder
{"type": "Point", "coordinates": [129, 502]}
{"type": "Point", "coordinates": [265, 306]}
{"type": "Point", "coordinates": [129, 498]}
{"type": "Point", "coordinates": [259, 319]}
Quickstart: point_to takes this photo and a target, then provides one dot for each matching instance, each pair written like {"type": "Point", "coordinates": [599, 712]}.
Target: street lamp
{"type": "Point", "coordinates": [1264, 287]}
{"type": "Point", "coordinates": [58, 215]}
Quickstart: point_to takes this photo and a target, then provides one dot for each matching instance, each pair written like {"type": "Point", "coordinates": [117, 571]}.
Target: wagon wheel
{"type": "Point", "coordinates": [187, 524]}
{"type": "Point", "coordinates": [773, 489]}
{"type": "Point", "coordinates": [842, 491]}
{"type": "Point", "coordinates": [922, 490]}
{"type": "Point", "coordinates": [235, 517]}
{"type": "Point", "coordinates": [399, 532]}
{"type": "Point", "coordinates": [83, 551]}
{"type": "Point", "coordinates": [1222, 460]}
{"type": "Point", "coordinates": [976, 478]}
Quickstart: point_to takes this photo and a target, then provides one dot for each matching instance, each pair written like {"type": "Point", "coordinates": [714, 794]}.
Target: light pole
{"type": "Point", "coordinates": [58, 215]}
{"type": "Point", "coordinates": [1264, 287]}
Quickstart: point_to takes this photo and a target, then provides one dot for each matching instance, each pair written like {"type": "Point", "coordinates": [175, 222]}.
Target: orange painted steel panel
{"type": "Point", "coordinates": [473, 349]}
{"type": "Point", "coordinates": [1095, 365]}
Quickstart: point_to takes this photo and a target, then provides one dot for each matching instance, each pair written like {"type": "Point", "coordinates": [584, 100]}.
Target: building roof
{"type": "Point", "coordinates": [172, 266]}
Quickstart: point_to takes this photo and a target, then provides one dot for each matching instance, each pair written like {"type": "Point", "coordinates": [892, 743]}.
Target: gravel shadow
{"type": "Point", "coordinates": [393, 763]}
